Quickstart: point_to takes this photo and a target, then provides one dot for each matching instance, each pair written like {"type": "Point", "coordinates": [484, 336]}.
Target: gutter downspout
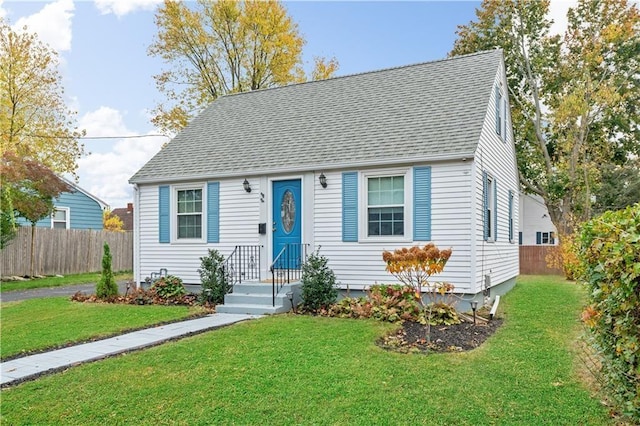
{"type": "Point", "coordinates": [136, 236]}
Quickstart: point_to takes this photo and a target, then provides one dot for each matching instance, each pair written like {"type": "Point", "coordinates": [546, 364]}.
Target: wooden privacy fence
{"type": "Point", "coordinates": [65, 251]}
{"type": "Point", "coordinates": [533, 260]}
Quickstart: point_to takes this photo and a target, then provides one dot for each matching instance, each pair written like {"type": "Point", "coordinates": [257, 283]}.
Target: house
{"type": "Point", "coordinates": [350, 166]}
{"type": "Point", "coordinates": [77, 209]}
{"type": "Point", "coordinates": [126, 216]}
{"type": "Point", "coordinates": [536, 227]}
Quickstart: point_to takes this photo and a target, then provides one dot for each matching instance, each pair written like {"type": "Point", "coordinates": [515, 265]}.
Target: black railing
{"type": "Point", "coordinates": [243, 264]}
{"type": "Point", "coordinates": [287, 266]}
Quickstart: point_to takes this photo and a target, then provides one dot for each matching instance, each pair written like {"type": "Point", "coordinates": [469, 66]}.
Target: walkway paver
{"type": "Point", "coordinates": [21, 369]}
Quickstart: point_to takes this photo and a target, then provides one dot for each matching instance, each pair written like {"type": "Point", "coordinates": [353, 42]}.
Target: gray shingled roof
{"type": "Point", "coordinates": [417, 112]}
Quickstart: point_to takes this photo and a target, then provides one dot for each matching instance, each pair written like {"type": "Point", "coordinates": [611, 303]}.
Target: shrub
{"type": "Point", "coordinates": [389, 303]}
{"type": "Point", "coordinates": [565, 256]}
{"type": "Point", "coordinates": [214, 280]}
{"type": "Point", "coordinates": [107, 286]}
{"type": "Point", "coordinates": [169, 287]}
{"type": "Point", "coordinates": [610, 255]}
{"type": "Point", "coordinates": [318, 284]}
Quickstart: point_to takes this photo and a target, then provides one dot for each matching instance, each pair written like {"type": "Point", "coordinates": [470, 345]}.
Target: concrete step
{"type": "Point", "coordinates": [240, 308]}
{"type": "Point", "coordinates": [254, 287]}
{"type": "Point", "coordinates": [250, 299]}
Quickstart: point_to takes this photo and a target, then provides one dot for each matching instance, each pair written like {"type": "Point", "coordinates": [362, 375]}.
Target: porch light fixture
{"type": "Point", "coordinates": [474, 307]}
{"type": "Point", "coordinates": [246, 185]}
{"type": "Point", "coordinates": [323, 180]}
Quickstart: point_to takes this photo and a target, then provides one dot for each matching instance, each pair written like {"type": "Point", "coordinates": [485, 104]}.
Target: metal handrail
{"type": "Point", "coordinates": [287, 266]}
{"type": "Point", "coordinates": [242, 264]}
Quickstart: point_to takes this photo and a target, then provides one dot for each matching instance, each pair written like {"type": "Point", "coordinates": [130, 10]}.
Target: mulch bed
{"type": "Point", "coordinates": [444, 338]}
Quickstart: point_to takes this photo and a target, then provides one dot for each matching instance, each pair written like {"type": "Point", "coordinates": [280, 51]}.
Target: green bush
{"type": "Point", "coordinates": [107, 286]}
{"type": "Point", "coordinates": [318, 284]}
{"type": "Point", "coordinates": [215, 282]}
{"type": "Point", "coordinates": [610, 256]}
{"type": "Point", "coordinates": [169, 287]}
{"type": "Point", "coordinates": [389, 303]}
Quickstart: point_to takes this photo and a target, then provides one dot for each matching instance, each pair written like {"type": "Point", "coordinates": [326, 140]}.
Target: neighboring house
{"type": "Point", "coordinates": [126, 216]}
{"type": "Point", "coordinates": [350, 166]}
{"type": "Point", "coordinates": [536, 227]}
{"type": "Point", "coordinates": [77, 209]}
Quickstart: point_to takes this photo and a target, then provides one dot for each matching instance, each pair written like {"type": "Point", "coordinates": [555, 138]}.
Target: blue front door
{"type": "Point", "coordinates": [287, 215]}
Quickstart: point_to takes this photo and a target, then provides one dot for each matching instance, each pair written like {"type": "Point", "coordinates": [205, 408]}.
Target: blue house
{"type": "Point", "coordinates": [77, 209]}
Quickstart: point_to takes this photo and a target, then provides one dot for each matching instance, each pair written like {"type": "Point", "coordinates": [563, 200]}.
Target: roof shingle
{"type": "Point", "coordinates": [424, 111]}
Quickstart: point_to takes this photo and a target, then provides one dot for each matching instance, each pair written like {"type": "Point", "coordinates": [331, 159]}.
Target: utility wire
{"type": "Point", "coordinates": [95, 137]}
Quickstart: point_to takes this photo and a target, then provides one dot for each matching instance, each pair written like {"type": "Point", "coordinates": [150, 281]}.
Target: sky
{"type": "Point", "coordinates": [107, 74]}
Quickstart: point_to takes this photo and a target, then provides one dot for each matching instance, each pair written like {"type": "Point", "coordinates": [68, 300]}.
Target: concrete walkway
{"type": "Point", "coordinates": [33, 366]}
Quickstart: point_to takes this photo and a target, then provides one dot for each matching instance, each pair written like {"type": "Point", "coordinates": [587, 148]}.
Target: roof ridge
{"type": "Point", "coordinates": [452, 58]}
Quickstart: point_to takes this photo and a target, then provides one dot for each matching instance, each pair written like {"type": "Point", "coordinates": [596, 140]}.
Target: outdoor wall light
{"type": "Point", "coordinates": [323, 180]}
{"type": "Point", "coordinates": [246, 185]}
{"type": "Point", "coordinates": [474, 307]}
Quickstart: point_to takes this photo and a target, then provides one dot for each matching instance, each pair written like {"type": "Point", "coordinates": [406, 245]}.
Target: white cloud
{"type": "Point", "coordinates": [123, 7]}
{"type": "Point", "coordinates": [106, 174]}
{"type": "Point", "coordinates": [52, 24]}
{"type": "Point", "coordinates": [3, 12]}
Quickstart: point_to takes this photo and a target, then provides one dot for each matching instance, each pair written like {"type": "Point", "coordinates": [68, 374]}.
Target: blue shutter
{"type": "Point", "coordinates": [163, 214]}
{"type": "Point", "coordinates": [350, 206]}
{"type": "Point", "coordinates": [422, 204]}
{"type": "Point", "coordinates": [510, 215]}
{"type": "Point", "coordinates": [538, 237]}
{"type": "Point", "coordinates": [213, 212]}
{"type": "Point", "coordinates": [495, 209]}
{"type": "Point", "coordinates": [485, 205]}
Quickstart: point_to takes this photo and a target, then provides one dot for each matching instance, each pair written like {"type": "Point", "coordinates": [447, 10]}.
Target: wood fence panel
{"type": "Point", "coordinates": [533, 260]}
{"type": "Point", "coordinates": [65, 251]}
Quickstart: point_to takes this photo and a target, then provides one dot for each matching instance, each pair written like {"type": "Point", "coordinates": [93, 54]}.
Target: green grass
{"type": "Point", "coordinates": [47, 282]}
{"type": "Point", "coordinates": [37, 324]}
{"type": "Point", "coordinates": [312, 370]}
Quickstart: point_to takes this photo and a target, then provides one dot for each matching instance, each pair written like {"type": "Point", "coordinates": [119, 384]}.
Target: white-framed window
{"type": "Point", "coordinates": [189, 212]}
{"type": "Point", "coordinates": [490, 208]}
{"type": "Point", "coordinates": [386, 205]}
{"type": "Point", "coordinates": [60, 218]}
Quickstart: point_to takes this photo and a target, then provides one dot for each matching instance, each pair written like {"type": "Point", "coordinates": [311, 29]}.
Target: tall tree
{"type": "Point", "coordinates": [220, 47]}
{"type": "Point", "coordinates": [34, 120]}
{"type": "Point", "coordinates": [574, 98]}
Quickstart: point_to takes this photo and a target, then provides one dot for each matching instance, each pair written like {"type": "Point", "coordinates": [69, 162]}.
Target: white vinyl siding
{"type": "Point", "coordinates": [359, 264]}
{"type": "Point", "coordinates": [239, 218]}
{"type": "Point", "coordinates": [498, 259]}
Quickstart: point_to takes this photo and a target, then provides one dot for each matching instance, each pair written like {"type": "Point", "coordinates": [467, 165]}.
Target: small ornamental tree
{"type": "Point", "coordinates": [107, 286]}
{"type": "Point", "coordinates": [610, 255]}
{"type": "Point", "coordinates": [414, 267]}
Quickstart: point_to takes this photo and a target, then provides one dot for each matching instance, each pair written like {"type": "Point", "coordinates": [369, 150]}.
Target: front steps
{"type": "Point", "coordinates": [255, 298]}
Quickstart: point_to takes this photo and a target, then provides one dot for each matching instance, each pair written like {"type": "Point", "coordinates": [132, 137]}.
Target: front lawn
{"type": "Point", "coordinates": [46, 282]}
{"type": "Point", "coordinates": [36, 324]}
{"type": "Point", "coordinates": [312, 370]}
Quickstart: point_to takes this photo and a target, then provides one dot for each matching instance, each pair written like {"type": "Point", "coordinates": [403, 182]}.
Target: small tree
{"type": "Point", "coordinates": [215, 282]}
{"type": "Point", "coordinates": [318, 283]}
{"type": "Point", "coordinates": [414, 267]}
{"type": "Point", "coordinates": [107, 286]}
